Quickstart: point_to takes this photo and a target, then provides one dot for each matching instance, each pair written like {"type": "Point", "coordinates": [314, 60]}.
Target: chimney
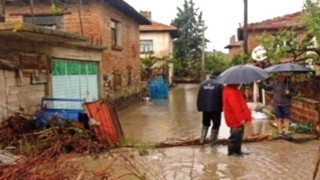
{"type": "Point", "coordinates": [232, 39]}
{"type": "Point", "coordinates": [146, 14]}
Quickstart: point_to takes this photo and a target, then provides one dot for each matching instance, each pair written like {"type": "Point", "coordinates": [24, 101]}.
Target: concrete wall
{"type": "Point", "coordinates": [18, 92]}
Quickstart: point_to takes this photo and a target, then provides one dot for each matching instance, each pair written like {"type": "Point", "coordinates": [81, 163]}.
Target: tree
{"type": "Point", "coordinates": [285, 44]}
{"type": "Point", "coordinates": [216, 61]}
{"type": "Point", "coordinates": [188, 45]}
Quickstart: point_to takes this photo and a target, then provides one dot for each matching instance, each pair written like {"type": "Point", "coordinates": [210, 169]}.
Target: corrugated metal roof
{"type": "Point", "coordinates": [107, 126]}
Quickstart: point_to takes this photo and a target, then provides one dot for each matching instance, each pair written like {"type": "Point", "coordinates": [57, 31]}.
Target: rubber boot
{"type": "Point", "coordinates": [214, 137]}
{"type": "Point", "coordinates": [204, 132]}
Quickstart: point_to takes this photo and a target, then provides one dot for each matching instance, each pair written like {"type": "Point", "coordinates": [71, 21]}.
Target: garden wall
{"type": "Point", "coordinates": [303, 110]}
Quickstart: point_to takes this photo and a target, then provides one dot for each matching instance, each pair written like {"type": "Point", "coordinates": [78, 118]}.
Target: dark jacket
{"type": "Point", "coordinates": [210, 96]}
{"type": "Point", "coordinates": [279, 97]}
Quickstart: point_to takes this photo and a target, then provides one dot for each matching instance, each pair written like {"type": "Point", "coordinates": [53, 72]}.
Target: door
{"type": "Point", "coordinates": [75, 79]}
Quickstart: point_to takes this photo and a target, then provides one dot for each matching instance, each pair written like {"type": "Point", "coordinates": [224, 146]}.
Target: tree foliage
{"type": "Point", "coordinates": [216, 61]}
{"type": "Point", "coordinates": [189, 23]}
{"type": "Point", "coordinates": [240, 58]}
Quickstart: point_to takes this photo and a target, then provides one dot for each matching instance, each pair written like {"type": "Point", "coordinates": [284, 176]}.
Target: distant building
{"type": "Point", "coordinates": [272, 26]}
{"type": "Point", "coordinates": [156, 40]}
{"type": "Point", "coordinates": [235, 47]}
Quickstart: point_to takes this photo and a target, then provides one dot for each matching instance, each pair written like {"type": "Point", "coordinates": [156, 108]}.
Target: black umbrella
{"type": "Point", "coordinates": [288, 67]}
{"type": "Point", "coordinates": [242, 74]}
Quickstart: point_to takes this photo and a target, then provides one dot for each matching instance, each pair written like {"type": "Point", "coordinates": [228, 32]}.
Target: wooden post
{"type": "Point", "coordinates": [80, 17]}
{"type": "Point", "coordinates": [32, 13]}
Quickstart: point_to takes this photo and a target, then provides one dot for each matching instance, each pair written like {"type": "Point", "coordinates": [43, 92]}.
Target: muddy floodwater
{"type": "Point", "coordinates": [178, 118]}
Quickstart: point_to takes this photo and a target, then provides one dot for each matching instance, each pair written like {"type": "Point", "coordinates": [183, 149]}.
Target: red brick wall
{"type": "Point", "coordinates": [303, 110]}
{"type": "Point", "coordinates": [233, 51]}
{"type": "Point", "coordinates": [96, 20]}
{"type": "Point", "coordinates": [253, 38]}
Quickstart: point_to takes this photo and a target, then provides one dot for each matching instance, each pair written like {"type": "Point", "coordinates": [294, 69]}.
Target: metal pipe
{"type": "Point", "coordinates": [203, 48]}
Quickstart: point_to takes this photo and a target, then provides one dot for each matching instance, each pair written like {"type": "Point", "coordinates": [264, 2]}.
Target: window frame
{"type": "Point", "coordinates": [53, 22]}
{"type": "Point", "coordinates": [115, 35]}
{"type": "Point", "coordinates": [146, 46]}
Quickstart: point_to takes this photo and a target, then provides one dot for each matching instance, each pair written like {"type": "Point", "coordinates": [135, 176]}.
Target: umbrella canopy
{"type": "Point", "coordinates": [288, 67]}
{"type": "Point", "coordinates": [242, 74]}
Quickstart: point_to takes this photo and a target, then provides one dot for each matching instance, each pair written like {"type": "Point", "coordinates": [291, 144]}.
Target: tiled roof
{"type": "Point", "coordinates": [128, 10]}
{"type": "Point", "coordinates": [155, 26]}
{"type": "Point", "coordinates": [159, 27]}
{"type": "Point", "coordinates": [282, 22]}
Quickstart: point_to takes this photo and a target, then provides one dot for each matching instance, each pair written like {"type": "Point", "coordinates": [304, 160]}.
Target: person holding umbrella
{"type": "Point", "coordinates": [236, 111]}
{"type": "Point", "coordinates": [283, 92]}
{"type": "Point", "coordinates": [209, 101]}
{"type": "Point", "coordinates": [237, 114]}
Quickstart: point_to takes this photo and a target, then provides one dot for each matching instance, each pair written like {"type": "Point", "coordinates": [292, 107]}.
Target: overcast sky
{"type": "Point", "coordinates": [222, 17]}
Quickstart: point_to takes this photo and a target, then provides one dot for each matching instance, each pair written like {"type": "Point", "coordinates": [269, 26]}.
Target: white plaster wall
{"type": "Point", "coordinates": [162, 43]}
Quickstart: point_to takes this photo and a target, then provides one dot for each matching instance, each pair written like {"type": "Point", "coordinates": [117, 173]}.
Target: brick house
{"type": "Point", "coordinates": [156, 39]}
{"type": "Point", "coordinates": [272, 26]}
{"type": "Point", "coordinates": [112, 24]}
{"type": "Point", "coordinates": [235, 47]}
{"type": "Point", "coordinates": [30, 59]}
{"type": "Point", "coordinates": [303, 109]}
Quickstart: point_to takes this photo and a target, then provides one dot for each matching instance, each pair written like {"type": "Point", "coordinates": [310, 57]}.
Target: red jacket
{"type": "Point", "coordinates": [235, 107]}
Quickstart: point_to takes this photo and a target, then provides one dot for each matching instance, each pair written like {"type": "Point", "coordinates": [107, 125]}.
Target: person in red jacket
{"type": "Point", "coordinates": [236, 113]}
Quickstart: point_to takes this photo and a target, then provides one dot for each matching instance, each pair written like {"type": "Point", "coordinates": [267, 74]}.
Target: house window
{"type": "Point", "coordinates": [115, 34]}
{"type": "Point", "coordinates": [146, 46]}
{"type": "Point", "coordinates": [48, 21]}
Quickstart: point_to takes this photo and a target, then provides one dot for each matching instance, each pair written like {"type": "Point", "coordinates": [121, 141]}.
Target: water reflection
{"type": "Point", "coordinates": [161, 119]}
{"type": "Point", "coordinates": [177, 117]}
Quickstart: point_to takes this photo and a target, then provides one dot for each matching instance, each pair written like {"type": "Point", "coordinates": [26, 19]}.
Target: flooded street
{"type": "Point", "coordinates": [161, 119]}
{"type": "Point", "coordinates": [178, 118]}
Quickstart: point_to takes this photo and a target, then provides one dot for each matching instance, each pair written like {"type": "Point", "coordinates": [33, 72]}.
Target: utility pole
{"type": "Point", "coordinates": [80, 16]}
{"type": "Point", "coordinates": [203, 48]}
{"type": "Point", "coordinates": [2, 14]}
{"type": "Point", "coordinates": [245, 28]}
{"type": "Point", "coordinates": [32, 13]}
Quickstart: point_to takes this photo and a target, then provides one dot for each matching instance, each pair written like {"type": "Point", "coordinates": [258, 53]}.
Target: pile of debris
{"type": "Point", "coordinates": [25, 147]}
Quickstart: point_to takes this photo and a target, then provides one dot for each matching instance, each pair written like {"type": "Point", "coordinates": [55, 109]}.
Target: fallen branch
{"type": "Point", "coordinates": [173, 143]}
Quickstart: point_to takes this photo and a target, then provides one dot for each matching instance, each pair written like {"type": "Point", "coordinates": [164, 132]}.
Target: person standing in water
{"type": "Point", "coordinates": [209, 102]}
{"type": "Point", "coordinates": [237, 114]}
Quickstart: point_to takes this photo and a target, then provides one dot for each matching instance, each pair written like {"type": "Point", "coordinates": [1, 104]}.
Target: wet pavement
{"type": "Point", "coordinates": [178, 118]}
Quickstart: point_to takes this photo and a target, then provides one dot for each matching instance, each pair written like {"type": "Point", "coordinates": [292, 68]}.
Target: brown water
{"type": "Point", "coordinates": [177, 118]}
